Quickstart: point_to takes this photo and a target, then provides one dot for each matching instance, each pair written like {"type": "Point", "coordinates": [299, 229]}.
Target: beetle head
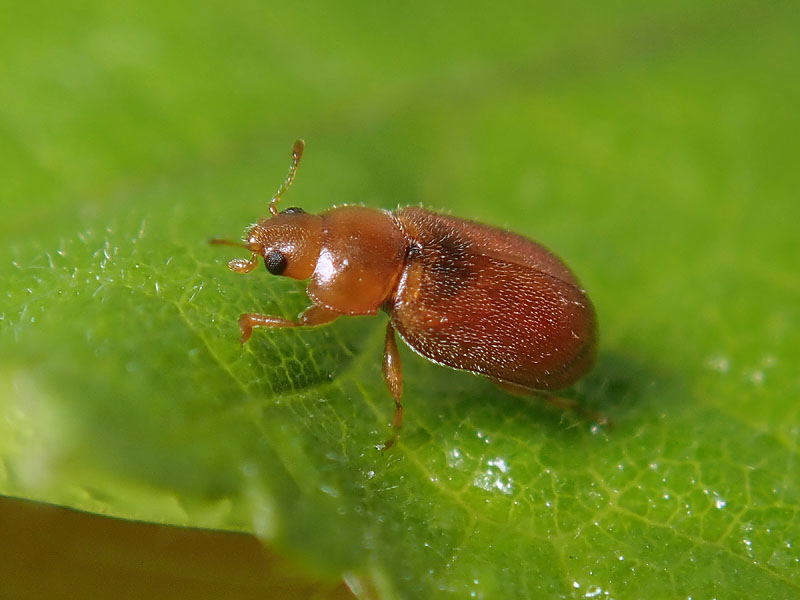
{"type": "Point", "coordinates": [288, 241]}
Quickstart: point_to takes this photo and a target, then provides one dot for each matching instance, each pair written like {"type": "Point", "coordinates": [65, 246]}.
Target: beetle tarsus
{"type": "Point", "coordinates": [397, 424]}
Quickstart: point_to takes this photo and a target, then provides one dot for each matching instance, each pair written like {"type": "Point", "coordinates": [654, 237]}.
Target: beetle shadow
{"type": "Point", "coordinates": [620, 388]}
{"type": "Point", "coordinates": [621, 384]}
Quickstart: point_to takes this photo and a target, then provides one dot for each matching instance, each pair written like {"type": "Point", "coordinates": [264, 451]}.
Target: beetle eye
{"type": "Point", "coordinates": [292, 210]}
{"type": "Point", "coordinates": [275, 262]}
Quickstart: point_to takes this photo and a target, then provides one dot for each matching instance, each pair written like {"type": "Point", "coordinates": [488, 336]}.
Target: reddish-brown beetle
{"type": "Point", "coordinates": [461, 294]}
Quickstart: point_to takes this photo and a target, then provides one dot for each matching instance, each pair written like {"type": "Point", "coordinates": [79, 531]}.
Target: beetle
{"type": "Point", "coordinates": [459, 293]}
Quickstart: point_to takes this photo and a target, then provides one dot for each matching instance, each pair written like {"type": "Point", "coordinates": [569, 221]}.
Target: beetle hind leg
{"type": "Point", "coordinates": [393, 375]}
{"type": "Point", "coordinates": [559, 402]}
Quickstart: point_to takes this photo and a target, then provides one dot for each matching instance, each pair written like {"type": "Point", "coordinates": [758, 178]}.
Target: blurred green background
{"type": "Point", "coordinates": [653, 146]}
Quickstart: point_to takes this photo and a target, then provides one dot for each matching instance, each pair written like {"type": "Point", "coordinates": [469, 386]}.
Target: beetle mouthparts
{"type": "Point", "coordinates": [240, 265]}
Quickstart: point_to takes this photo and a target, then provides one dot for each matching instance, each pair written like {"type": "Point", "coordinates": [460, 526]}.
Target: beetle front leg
{"type": "Point", "coordinates": [393, 375]}
{"type": "Point", "coordinates": [312, 316]}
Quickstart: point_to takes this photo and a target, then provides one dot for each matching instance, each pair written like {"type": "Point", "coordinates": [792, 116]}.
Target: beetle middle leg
{"type": "Point", "coordinates": [313, 315]}
{"type": "Point", "coordinates": [393, 375]}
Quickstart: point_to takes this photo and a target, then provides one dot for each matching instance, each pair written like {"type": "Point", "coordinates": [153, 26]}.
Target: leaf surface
{"type": "Point", "coordinates": [653, 148]}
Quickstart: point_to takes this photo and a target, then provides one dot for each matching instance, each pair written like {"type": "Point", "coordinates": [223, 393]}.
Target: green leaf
{"type": "Point", "coordinates": [653, 147]}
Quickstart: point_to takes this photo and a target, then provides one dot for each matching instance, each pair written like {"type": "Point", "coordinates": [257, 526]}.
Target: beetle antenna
{"type": "Point", "coordinates": [219, 242]}
{"type": "Point", "coordinates": [297, 154]}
